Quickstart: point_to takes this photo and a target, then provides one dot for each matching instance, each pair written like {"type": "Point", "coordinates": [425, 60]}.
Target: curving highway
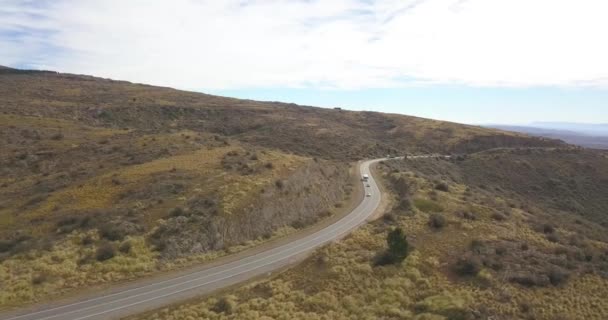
{"type": "Point", "coordinates": [143, 296]}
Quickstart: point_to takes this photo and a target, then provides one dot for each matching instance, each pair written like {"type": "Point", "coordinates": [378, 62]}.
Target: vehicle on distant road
{"type": "Point", "coordinates": [369, 194]}
{"type": "Point", "coordinates": [365, 177]}
{"type": "Point", "coordinates": [367, 185]}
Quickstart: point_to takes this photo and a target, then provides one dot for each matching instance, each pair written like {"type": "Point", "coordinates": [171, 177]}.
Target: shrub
{"type": "Point", "coordinates": [125, 247]}
{"type": "Point", "coordinates": [524, 280]}
{"type": "Point", "coordinates": [437, 221]}
{"type": "Point", "coordinates": [547, 228]}
{"type": "Point", "coordinates": [269, 165]}
{"type": "Point", "coordinates": [70, 223]}
{"type": "Point", "coordinates": [558, 276]}
{"type": "Point", "coordinates": [404, 204]}
{"type": "Point", "coordinates": [111, 232]}
{"type": "Point", "coordinates": [553, 237]}
{"type": "Point", "coordinates": [500, 251]}
{"type": "Point", "coordinates": [105, 252]}
{"type": "Point", "coordinates": [468, 266]}
{"type": "Point", "coordinates": [477, 245]}
{"type": "Point", "coordinates": [468, 215]}
{"type": "Point", "coordinates": [226, 304]}
{"type": "Point", "coordinates": [6, 245]}
{"type": "Point", "coordinates": [389, 218]}
{"type": "Point", "coordinates": [529, 280]}
{"type": "Point", "coordinates": [57, 136]}
{"type": "Point", "coordinates": [39, 279]}
{"type": "Point", "coordinates": [398, 246]}
{"type": "Point", "coordinates": [498, 216]}
{"type": "Point", "coordinates": [442, 186]}
{"type": "Point", "coordinates": [279, 184]}
{"type": "Point", "coordinates": [401, 186]}
{"type": "Point", "coordinates": [176, 212]}
{"type": "Point", "coordinates": [87, 240]}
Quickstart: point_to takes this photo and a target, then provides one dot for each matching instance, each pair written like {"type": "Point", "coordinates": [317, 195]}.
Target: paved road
{"type": "Point", "coordinates": [140, 297]}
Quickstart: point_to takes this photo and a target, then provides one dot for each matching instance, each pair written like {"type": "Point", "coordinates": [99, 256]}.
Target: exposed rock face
{"type": "Point", "coordinates": [303, 198]}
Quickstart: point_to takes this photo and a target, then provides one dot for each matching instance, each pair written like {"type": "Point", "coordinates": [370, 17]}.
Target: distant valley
{"type": "Point", "coordinates": [594, 136]}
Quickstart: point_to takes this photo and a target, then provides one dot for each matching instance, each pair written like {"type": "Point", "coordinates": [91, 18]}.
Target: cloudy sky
{"type": "Point", "coordinates": [474, 61]}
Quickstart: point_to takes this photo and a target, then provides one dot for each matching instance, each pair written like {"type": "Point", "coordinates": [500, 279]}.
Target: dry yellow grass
{"type": "Point", "coordinates": [341, 282]}
{"type": "Point", "coordinates": [60, 266]}
{"type": "Point", "coordinates": [203, 165]}
{"type": "Point", "coordinates": [63, 274]}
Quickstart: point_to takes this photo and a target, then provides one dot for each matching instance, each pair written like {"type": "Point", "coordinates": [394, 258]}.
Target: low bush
{"type": "Point", "coordinates": [553, 238]}
{"type": "Point", "coordinates": [6, 245]}
{"type": "Point", "coordinates": [105, 252]}
{"type": "Point", "coordinates": [176, 212]}
{"type": "Point", "coordinates": [499, 216]}
{"type": "Point", "coordinates": [405, 204]}
{"type": "Point", "coordinates": [468, 266]}
{"type": "Point", "coordinates": [501, 251]}
{"type": "Point", "coordinates": [468, 215]}
{"type": "Point", "coordinates": [57, 136]}
{"type": "Point", "coordinates": [125, 247]}
{"type": "Point", "coordinates": [528, 279]}
{"type": "Point", "coordinates": [398, 246]}
{"type": "Point", "coordinates": [111, 232]}
{"type": "Point", "coordinates": [226, 305]}
{"type": "Point", "coordinates": [39, 279]}
{"type": "Point", "coordinates": [437, 221]}
{"type": "Point", "coordinates": [442, 186]}
{"type": "Point", "coordinates": [558, 276]}
{"type": "Point", "coordinates": [87, 240]}
{"type": "Point", "coordinates": [68, 224]}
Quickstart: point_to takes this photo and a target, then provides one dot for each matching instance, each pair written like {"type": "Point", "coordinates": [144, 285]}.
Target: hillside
{"type": "Point", "coordinates": [103, 181]}
{"type": "Point", "coordinates": [492, 235]}
{"type": "Point", "coordinates": [326, 133]}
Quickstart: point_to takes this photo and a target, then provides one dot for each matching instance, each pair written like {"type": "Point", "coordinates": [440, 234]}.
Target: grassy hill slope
{"type": "Point", "coordinates": [104, 180]}
{"type": "Point", "coordinates": [502, 234]}
{"type": "Point", "coordinates": [326, 133]}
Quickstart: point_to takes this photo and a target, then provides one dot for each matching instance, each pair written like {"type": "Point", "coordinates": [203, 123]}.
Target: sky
{"type": "Point", "coordinates": [471, 61]}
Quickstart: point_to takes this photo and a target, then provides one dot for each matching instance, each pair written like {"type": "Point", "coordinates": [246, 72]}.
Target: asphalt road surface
{"type": "Point", "coordinates": [143, 296]}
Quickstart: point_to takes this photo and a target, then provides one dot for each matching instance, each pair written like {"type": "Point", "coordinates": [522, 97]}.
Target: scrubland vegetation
{"type": "Point", "coordinates": [103, 181]}
{"type": "Point", "coordinates": [99, 205]}
{"type": "Point", "coordinates": [484, 248]}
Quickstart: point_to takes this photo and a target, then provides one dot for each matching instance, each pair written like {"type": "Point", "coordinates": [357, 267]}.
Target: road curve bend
{"type": "Point", "coordinates": [140, 297]}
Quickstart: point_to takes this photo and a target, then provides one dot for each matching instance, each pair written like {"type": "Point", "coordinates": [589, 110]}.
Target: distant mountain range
{"type": "Point", "coordinates": [583, 128]}
{"type": "Point", "coordinates": [586, 135]}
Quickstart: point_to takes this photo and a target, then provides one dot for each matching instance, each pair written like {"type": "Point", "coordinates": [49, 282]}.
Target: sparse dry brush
{"type": "Point", "coordinates": [478, 266]}
{"type": "Point", "coordinates": [107, 180]}
{"type": "Point", "coordinates": [131, 186]}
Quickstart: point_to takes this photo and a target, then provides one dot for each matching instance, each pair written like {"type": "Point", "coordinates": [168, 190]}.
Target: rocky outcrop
{"type": "Point", "coordinates": [298, 201]}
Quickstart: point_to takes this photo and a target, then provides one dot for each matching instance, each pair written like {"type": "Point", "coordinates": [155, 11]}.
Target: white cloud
{"type": "Point", "coordinates": [210, 44]}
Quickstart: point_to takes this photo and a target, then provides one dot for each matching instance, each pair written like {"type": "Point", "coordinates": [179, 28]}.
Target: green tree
{"type": "Point", "coordinates": [398, 247]}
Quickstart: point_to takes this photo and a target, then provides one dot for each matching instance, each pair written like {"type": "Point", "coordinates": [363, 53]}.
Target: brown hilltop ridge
{"type": "Point", "coordinates": [325, 133]}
